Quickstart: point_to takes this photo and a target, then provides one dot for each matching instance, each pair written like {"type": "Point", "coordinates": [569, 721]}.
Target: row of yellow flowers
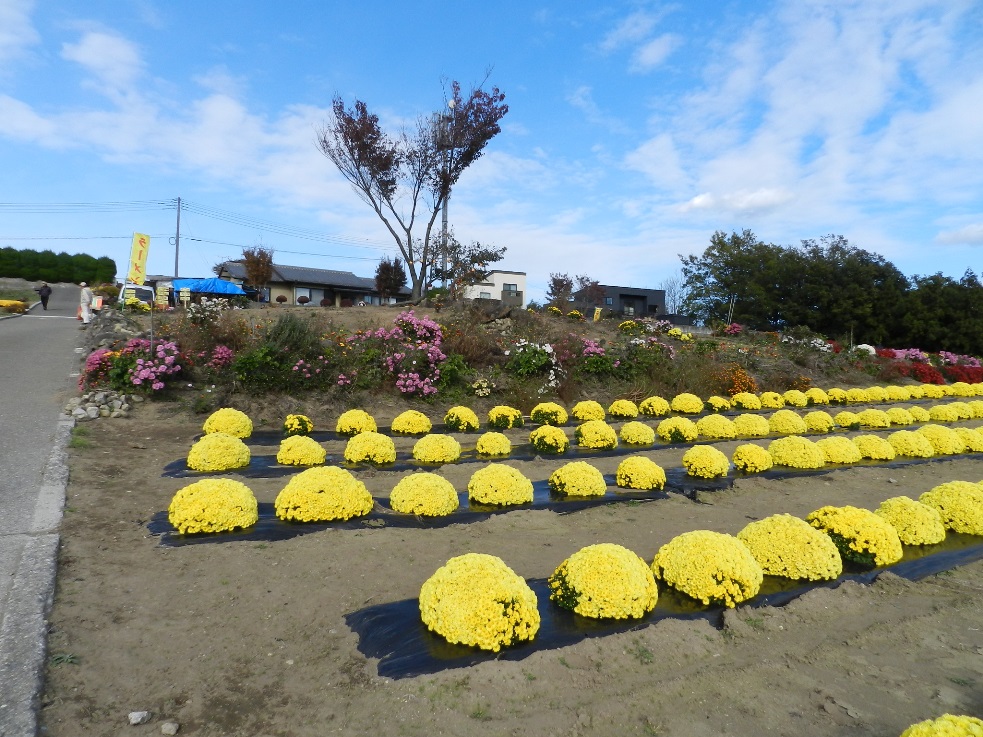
{"type": "Point", "coordinates": [463, 419]}
{"type": "Point", "coordinates": [477, 600]}
{"type": "Point", "coordinates": [221, 451]}
{"type": "Point", "coordinates": [331, 493]}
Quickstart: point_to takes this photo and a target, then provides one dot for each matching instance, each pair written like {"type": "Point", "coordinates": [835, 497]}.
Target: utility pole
{"type": "Point", "coordinates": [177, 239]}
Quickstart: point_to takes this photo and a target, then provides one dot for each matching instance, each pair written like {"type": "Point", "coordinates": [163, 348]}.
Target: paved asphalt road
{"type": "Point", "coordinates": [37, 356]}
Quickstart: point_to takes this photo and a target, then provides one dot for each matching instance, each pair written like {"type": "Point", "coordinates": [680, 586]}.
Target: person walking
{"type": "Point", "coordinates": [85, 303]}
{"type": "Point", "coordinates": [44, 292]}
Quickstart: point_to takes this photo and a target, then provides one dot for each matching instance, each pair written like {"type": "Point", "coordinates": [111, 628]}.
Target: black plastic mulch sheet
{"type": "Point", "coordinates": [270, 527]}
{"type": "Point", "coordinates": [396, 636]}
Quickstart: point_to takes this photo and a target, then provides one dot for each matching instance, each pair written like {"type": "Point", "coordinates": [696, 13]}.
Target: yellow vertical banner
{"type": "Point", "coordinates": [138, 259]}
{"type": "Point", "coordinates": [597, 314]}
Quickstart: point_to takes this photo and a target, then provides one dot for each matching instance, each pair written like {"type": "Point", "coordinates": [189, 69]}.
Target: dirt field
{"type": "Point", "coordinates": [249, 638]}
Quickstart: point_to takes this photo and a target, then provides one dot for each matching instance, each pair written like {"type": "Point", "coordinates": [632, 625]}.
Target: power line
{"type": "Point", "coordinates": [83, 207]}
{"type": "Point", "coordinates": [280, 250]}
{"type": "Point", "coordinates": [70, 237]}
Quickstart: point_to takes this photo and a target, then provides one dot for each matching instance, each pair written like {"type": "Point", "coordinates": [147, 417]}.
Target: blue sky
{"type": "Point", "coordinates": [636, 129]}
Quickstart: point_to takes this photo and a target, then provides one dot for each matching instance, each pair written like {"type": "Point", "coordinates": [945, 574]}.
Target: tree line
{"type": "Point", "coordinates": [56, 267]}
{"type": "Point", "coordinates": [832, 288]}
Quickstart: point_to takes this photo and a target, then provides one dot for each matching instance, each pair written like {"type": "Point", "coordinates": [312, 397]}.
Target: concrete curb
{"type": "Point", "coordinates": [24, 628]}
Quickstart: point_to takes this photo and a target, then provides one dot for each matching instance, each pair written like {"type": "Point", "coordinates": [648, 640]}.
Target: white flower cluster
{"type": "Point", "coordinates": [816, 344]}
{"type": "Point", "coordinates": [865, 348]}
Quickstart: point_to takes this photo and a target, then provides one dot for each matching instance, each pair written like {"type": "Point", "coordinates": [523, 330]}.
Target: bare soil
{"type": "Point", "coordinates": [249, 638]}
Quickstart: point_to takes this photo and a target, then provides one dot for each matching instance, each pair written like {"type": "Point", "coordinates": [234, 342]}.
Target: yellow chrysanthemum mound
{"type": "Point", "coordinates": [972, 439]}
{"type": "Point", "coordinates": [638, 433]}
{"type": "Point", "coordinates": [916, 523]}
{"type": "Point", "coordinates": [795, 451]}
{"type": "Point", "coordinates": [710, 566]}
{"type": "Point", "coordinates": [859, 534]}
{"type": "Point", "coordinates": [857, 395]}
{"type": "Point", "coordinates": [411, 422]}
{"type": "Point", "coordinates": [230, 422]}
{"type": "Point", "coordinates": [639, 472]}
{"type": "Point", "coordinates": [818, 421]}
{"type": "Point", "coordinates": [932, 391]}
{"type": "Point", "coordinates": [873, 418]}
{"type": "Point", "coordinates": [789, 547]}
{"type": "Point", "coordinates": [503, 417]}
{"type": "Point", "coordinates": [977, 408]}
{"type": "Point", "coordinates": [425, 494]}
{"type": "Point", "coordinates": [677, 430]}
{"type": "Point", "coordinates": [772, 400]}
{"type": "Point", "coordinates": [354, 422]}
{"type": "Point", "coordinates": [916, 392]}
{"type": "Point", "coordinates": [817, 396]}
{"type": "Point", "coordinates": [475, 599]}
{"type": "Point", "coordinates": [751, 458]}
{"type": "Point", "coordinates": [322, 494]}
{"type": "Point", "coordinates": [746, 400]}
{"type": "Point", "coordinates": [795, 398]}
{"type": "Point", "coordinates": [787, 422]}
{"type": "Point", "coordinates": [587, 410]}
{"type": "Point", "coordinates": [876, 393]}
{"type": "Point", "coordinates": [493, 444]}
{"type": "Point", "coordinates": [962, 409]}
{"type": "Point", "coordinates": [436, 448]}
{"type": "Point", "coordinates": [297, 425]}
{"type": "Point", "coordinates": [897, 393]}
{"type": "Point", "coordinates": [751, 426]}
{"type": "Point", "coordinates": [300, 450]}
{"type": "Point", "coordinates": [461, 419]}
{"type": "Point", "coordinates": [218, 451]}
{"type": "Point", "coordinates": [499, 484]}
{"type": "Point", "coordinates": [962, 389]}
{"type": "Point", "coordinates": [212, 505]}
{"type": "Point", "coordinates": [847, 419]}
{"type": "Point", "coordinates": [945, 441]}
{"type": "Point", "coordinates": [874, 447]}
{"type": "Point", "coordinates": [920, 414]}
{"type": "Point", "coordinates": [604, 581]}
{"type": "Point", "coordinates": [943, 413]}
{"type": "Point", "coordinates": [716, 427]}
{"type": "Point", "coordinates": [836, 395]}
{"type": "Point", "coordinates": [839, 450]}
{"type": "Point", "coordinates": [549, 439]}
{"type": "Point", "coordinates": [900, 417]}
{"type": "Point", "coordinates": [947, 725]}
{"type": "Point", "coordinates": [371, 447]}
{"type": "Point", "coordinates": [548, 413]}
{"type": "Point", "coordinates": [960, 503]}
{"type": "Point", "coordinates": [578, 479]}
{"type": "Point", "coordinates": [623, 409]}
{"type": "Point", "coordinates": [718, 404]}
{"type": "Point", "coordinates": [705, 462]}
{"type": "Point", "coordinates": [654, 407]}
{"type": "Point", "coordinates": [596, 434]}
{"type": "Point", "coordinates": [911, 444]}
{"type": "Point", "coordinates": [686, 403]}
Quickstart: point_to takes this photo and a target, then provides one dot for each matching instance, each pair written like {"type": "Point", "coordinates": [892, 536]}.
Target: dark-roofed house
{"type": "Point", "coordinates": [631, 301]}
{"type": "Point", "coordinates": [294, 282]}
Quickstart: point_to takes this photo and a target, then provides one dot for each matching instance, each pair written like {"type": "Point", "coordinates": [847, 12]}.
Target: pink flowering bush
{"type": "Point", "coordinates": [139, 365]}
{"type": "Point", "coordinates": [410, 353]}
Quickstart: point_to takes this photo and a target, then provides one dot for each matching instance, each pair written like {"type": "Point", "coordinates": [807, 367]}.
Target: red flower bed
{"type": "Point", "coordinates": [969, 374]}
{"type": "Point", "coordinates": [922, 372]}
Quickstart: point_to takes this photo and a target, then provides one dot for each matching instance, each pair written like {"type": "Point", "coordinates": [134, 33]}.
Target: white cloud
{"type": "Point", "coordinates": [113, 60]}
{"type": "Point", "coordinates": [659, 160]}
{"type": "Point", "coordinates": [741, 201]}
{"type": "Point", "coordinates": [20, 122]}
{"type": "Point", "coordinates": [17, 33]}
{"type": "Point", "coordinates": [582, 98]}
{"type": "Point", "coordinates": [967, 235]}
{"type": "Point", "coordinates": [652, 53]}
{"type": "Point", "coordinates": [631, 30]}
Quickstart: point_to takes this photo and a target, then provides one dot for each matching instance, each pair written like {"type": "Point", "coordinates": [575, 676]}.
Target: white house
{"type": "Point", "coordinates": [508, 286]}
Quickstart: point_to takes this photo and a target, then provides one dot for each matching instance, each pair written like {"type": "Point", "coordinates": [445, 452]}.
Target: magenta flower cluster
{"type": "Point", "coordinates": [735, 328]}
{"type": "Point", "coordinates": [592, 348]}
{"type": "Point", "coordinates": [412, 352]}
{"type": "Point", "coordinates": [153, 363]}
{"type": "Point", "coordinates": [955, 359]}
{"type": "Point", "coordinates": [911, 354]}
{"type": "Point", "coordinates": [96, 370]}
{"type": "Point", "coordinates": [221, 357]}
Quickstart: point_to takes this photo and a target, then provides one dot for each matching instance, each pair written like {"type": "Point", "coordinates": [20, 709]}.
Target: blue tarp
{"type": "Point", "coordinates": [207, 286]}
